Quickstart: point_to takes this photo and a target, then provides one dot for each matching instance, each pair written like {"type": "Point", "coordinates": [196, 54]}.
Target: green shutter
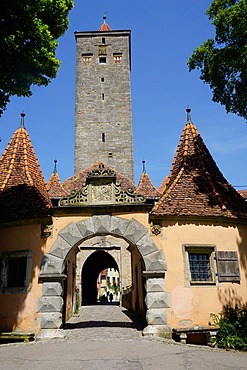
{"type": "Point", "coordinates": [227, 266]}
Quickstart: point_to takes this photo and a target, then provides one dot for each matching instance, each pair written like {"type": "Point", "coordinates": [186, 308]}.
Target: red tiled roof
{"type": "Point", "coordinates": [196, 186]}
{"type": "Point", "coordinates": [23, 190]}
{"type": "Point", "coordinates": [55, 189]}
{"type": "Point", "coordinates": [75, 182]}
{"type": "Point", "coordinates": [104, 27]}
{"type": "Point", "coordinates": [243, 193]}
{"type": "Point", "coordinates": [162, 186]}
{"type": "Point", "coordinates": [146, 187]}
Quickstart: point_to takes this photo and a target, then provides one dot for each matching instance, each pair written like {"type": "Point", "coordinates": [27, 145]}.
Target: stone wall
{"type": "Point", "coordinates": [103, 118]}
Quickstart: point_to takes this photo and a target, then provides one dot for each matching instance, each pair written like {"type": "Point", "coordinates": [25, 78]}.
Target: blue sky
{"type": "Point", "coordinates": [163, 36]}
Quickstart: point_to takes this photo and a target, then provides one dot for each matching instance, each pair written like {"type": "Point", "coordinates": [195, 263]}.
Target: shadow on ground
{"type": "Point", "coordinates": [136, 323]}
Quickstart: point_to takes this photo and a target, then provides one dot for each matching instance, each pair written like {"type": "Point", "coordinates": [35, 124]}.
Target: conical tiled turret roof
{"type": "Point", "coordinates": [104, 27]}
{"type": "Point", "coordinates": [196, 186]}
{"type": "Point", "coordinates": [23, 190]}
{"type": "Point", "coordinates": [55, 189]}
{"type": "Point", "coordinates": [162, 186]}
{"type": "Point", "coordinates": [146, 187]}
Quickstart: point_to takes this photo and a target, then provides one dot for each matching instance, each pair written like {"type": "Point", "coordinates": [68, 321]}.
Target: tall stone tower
{"type": "Point", "coordinates": [103, 115]}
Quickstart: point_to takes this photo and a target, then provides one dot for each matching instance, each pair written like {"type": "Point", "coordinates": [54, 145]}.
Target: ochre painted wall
{"type": "Point", "coordinates": [189, 305]}
{"type": "Point", "coordinates": [18, 311]}
{"type": "Point", "coordinates": [192, 305]}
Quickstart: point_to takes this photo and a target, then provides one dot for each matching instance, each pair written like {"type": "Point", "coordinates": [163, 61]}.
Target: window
{"type": "Point", "coordinates": [87, 58]}
{"type": "Point", "coordinates": [15, 271]}
{"type": "Point", "coordinates": [103, 40]}
{"type": "Point", "coordinates": [110, 155]}
{"type": "Point", "coordinates": [103, 137]}
{"type": "Point", "coordinates": [199, 264]}
{"type": "Point", "coordinates": [102, 60]}
{"type": "Point", "coordinates": [103, 96]}
{"type": "Point", "coordinates": [102, 79]}
{"type": "Point", "coordinates": [117, 57]}
{"type": "Point", "coordinates": [200, 267]}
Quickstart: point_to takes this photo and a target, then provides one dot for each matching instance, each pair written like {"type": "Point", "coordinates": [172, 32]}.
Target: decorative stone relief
{"type": "Point", "coordinates": [46, 230]}
{"type": "Point", "coordinates": [76, 198]}
{"type": "Point", "coordinates": [101, 193]}
{"type": "Point", "coordinates": [155, 229]}
{"type": "Point", "coordinates": [101, 187]}
{"type": "Point", "coordinates": [102, 50]}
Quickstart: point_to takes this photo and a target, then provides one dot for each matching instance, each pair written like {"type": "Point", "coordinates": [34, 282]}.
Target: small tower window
{"type": "Point", "coordinates": [87, 58]}
{"type": "Point", "coordinates": [102, 79]}
{"type": "Point", "coordinates": [110, 155]}
{"type": "Point", "coordinates": [103, 40]}
{"type": "Point", "coordinates": [103, 137]}
{"type": "Point", "coordinates": [102, 60]}
{"type": "Point", "coordinates": [103, 96]}
{"type": "Point", "coordinates": [117, 57]}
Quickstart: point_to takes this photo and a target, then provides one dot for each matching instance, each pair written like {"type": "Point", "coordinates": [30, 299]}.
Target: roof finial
{"type": "Point", "coordinates": [143, 166]}
{"type": "Point", "coordinates": [188, 110]}
{"type": "Point", "coordinates": [55, 166]}
{"type": "Point", "coordinates": [104, 18]}
{"type": "Point", "coordinates": [22, 120]}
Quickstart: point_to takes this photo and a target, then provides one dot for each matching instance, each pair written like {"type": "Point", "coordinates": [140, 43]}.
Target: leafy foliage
{"type": "Point", "coordinates": [28, 33]}
{"type": "Point", "coordinates": [232, 324]}
{"type": "Point", "coordinates": [115, 287]}
{"type": "Point", "coordinates": [223, 60]}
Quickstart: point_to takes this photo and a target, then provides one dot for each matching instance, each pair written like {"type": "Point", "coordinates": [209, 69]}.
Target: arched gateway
{"type": "Point", "coordinates": [52, 273]}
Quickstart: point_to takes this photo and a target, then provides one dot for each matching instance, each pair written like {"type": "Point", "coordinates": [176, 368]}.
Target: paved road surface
{"type": "Point", "coordinates": [104, 337]}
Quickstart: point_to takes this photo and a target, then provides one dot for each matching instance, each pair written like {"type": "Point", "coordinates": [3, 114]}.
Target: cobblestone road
{"type": "Point", "coordinates": [104, 337]}
{"type": "Point", "coordinates": [104, 322]}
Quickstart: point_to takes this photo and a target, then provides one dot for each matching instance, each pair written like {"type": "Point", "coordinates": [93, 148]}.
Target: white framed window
{"type": "Point", "coordinates": [15, 271]}
{"type": "Point", "coordinates": [199, 264]}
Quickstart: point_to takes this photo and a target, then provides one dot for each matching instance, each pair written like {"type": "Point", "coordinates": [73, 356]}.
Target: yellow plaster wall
{"type": "Point", "coordinates": [192, 305]}
{"type": "Point", "coordinates": [189, 305]}
{"type": "Point", "coordinates": [18, 311]}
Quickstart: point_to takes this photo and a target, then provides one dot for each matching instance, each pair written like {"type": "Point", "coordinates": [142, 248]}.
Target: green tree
{"type": "Point", "coordinates": [223, 60]}
{"type": "Point", "coordinates": [29, 30]}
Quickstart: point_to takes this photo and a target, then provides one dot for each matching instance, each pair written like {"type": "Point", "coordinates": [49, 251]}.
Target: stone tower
{"type": "Point", "coordinates": [103, 116]}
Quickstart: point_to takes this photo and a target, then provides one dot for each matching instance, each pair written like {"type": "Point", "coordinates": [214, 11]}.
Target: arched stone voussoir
{"type": "Point", "coordinates": [146, 245]}
{"type": "Point", "coordinates": [51, 265]}
{"type": "Point", "coordinates": [155, 261]}
{"type": "Point", "coordinates": [71, 234]}
{"type": "Point", "coordinates": [135, 231]}
{"type": "Point", "coordinates": [118, 226]}
{"type": "Point", "coordinates": [60, 248]}
{"type": "Point", "coordinates": [102, 224]}
{"type": "Point", "coordinates": [86, 228]}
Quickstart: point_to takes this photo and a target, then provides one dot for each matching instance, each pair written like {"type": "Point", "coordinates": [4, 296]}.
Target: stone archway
{"type": "Point", "coordinates": [94, 264]}
{"type": "Point", "coordinates": [53, 267]}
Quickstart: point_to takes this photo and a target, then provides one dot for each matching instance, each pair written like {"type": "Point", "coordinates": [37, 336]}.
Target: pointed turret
{"type": "Point", "coordinates": [196, 187]}
{"type": "Point", "coordinates": [162, 186]}
{"type": "Point", "coordinates": [104, 27]}
{"type": "Point", "coordinates": [23, 190]}
{"type": "Point", "coordinates": [146, 187]}
{"type": "Point", "coordinates": [55, 189]}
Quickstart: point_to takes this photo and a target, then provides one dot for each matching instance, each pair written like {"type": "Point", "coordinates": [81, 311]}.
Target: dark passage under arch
{"type": "Point", "coordinates": [94, 264]}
